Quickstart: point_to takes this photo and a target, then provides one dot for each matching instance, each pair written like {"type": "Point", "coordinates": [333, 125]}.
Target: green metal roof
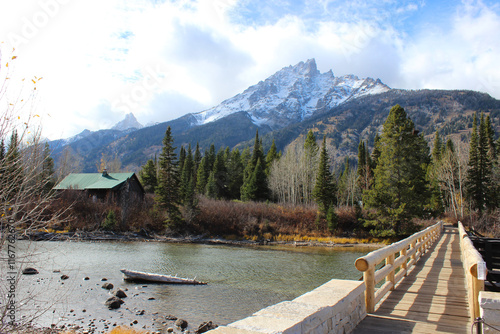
{"type": "Point", "coordinates": [85, 181]}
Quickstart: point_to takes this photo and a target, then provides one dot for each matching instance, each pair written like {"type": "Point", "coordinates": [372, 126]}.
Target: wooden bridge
{"type": "Point", "coordinates": [439, 294]}
{"type": "Point", "coordinates": [429, 282]}
{"type": "Point", "coordinates": [432, 298]}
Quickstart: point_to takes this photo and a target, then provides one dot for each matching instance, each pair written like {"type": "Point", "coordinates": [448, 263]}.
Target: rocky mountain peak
{"type": "Point", "coordinates": [291, 95]}
{"type": "Point", "coordinates": [129, 122]}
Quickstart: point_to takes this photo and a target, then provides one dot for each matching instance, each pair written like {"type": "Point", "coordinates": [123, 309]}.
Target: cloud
{"type": "Point", "coordinates": [459, 57]}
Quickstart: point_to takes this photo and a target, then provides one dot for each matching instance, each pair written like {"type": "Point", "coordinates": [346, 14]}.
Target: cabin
{"type": "Point", "coordinates": [120, 188]}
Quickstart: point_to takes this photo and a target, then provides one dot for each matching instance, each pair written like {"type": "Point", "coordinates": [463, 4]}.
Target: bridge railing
{"type": "Point", "coordinates": [399, 257]}
{"type": "Point", "coordinates": [475, 271]}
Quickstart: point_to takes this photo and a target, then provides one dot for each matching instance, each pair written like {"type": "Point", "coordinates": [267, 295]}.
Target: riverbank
{"type": "Point", "coordinates": [144, 236]}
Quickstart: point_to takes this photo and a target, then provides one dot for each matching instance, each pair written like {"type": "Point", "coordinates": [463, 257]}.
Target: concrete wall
{"type": "Point", "coordinates": [337, 306]}
{"type": "Point", "coordinates": [489, 303]}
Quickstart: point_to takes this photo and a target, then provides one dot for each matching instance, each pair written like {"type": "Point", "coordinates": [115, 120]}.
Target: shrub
{"type": "Point", "coordinates": [109, 223]}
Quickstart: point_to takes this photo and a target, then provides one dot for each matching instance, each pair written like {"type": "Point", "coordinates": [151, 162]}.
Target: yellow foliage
{"type": "Point", "coordinates": [126, 330]}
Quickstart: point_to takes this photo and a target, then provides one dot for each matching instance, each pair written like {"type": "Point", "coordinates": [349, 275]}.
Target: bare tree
{"type": "Point", "coordinates": [451, 173]}
{"type": "Point", "coordinates": [23, 196]}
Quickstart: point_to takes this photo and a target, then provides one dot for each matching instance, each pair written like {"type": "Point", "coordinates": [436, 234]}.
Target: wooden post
{"type": "Point", "coordinates": [478, 285]}
{"type": "Point", "coordinates": [414, 255]}
{"type": "Point", "coordinates": [390, 277]}
{"type": "Point", "coordinates": [369, 279]}
{"type": "Point", "coordinates": [404, 266]}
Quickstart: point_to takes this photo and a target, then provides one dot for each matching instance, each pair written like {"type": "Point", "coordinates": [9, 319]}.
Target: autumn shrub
{"type": "Point", "coordinates": [262, 220]}
{"type": "Point", "coordinates": [487, 224]}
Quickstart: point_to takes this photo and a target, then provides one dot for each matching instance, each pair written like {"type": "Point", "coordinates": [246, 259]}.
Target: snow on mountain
{"type": "Point", "coordinates": [293, 94]}
{"type": "Point", "coordinates": [129, 122]}
{"type": "Point", "coordinates": [77, 137]}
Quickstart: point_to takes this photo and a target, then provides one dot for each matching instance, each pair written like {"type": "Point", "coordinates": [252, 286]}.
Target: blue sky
{"type": "Point", "coordinates": [162, 59]}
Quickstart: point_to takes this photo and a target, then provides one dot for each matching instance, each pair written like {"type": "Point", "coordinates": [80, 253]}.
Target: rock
{"type": "Point", "coordinates": [107, 286]}
{"type": "Point", "coordinates": [64, 277]}
{"type": "Point", "coordinates": [30, 271]}
{"type": "Point", "coordinates": [86, 278]}
{"type": "Point", "coordinates": [170, 317]}
{"type": "Point", "coordinates": [151, 298]}
{"type": "Point", "coordinates": [206, 326]}
{"type": "Point", "coordinates": [119, 293]}
{"type": "Point", "coordinates": [181, 323]}
{"type": "Point", "coordinates": [104, 279]}
{"type": "Point", "coordinates": [170, 330]}
{"type": "Point", "coordinates": [141, 312]}
{"type": "Point", "coordinates": [113, 302]}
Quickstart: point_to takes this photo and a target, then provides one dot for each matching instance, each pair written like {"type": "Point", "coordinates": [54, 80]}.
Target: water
{"type": "Point", "coordinates": [241, 280]}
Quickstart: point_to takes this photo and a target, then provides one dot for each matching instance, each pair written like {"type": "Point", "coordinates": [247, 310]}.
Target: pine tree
{"type": "Point", "coordinates": [202, 176]}
{"type": "Point", "coordinates": [247, 190]}
{"type": "Point", "coordinates": [47, 175]}
{"type": "Point", "coordinates": [437, 149]}
{"type": "Point", "coordinates": [271, 156]}
{"type": "Point", "coordinates": [148, 176]}
{"type": "Point", "coordinates": [324, 187]}
{"type": "Point", "coordinates": [197, 156]}
{"type": "Point", "coordinates": [182, 158]}
{"type": "Point", "coordinates": [220, 176]}
{"type": "Point", "coordinates": [210, 157]}
{"type": "Point", "coordinates": [211, 187]}
{"type": "Point", "coordinates": [490, 138]}
{"type": "Point", "coordinates": [235, 174]}
{"type": "Point", "coordinates": [400, 189]}
{"type": "Point", "coordinates": [479, 186]}
{"type": "Point", "coordinates": [255, 189]}
{"type": "Point", "coordinates": [376, 152]}
{"type": "Point", "coordinates": [187, 176]}
{"type": "Point", "coordinates": [167, 192]}
{"type": "Point", "coordinates": [310, 145]}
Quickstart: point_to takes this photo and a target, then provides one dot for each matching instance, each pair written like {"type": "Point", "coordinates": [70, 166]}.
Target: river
{"type": "Point", "coordinates": [241, 280]}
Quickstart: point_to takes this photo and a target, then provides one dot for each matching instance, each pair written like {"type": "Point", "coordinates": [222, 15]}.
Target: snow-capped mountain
{"type": "Point", "coordinates": [129, 122]}
{"type": "Point", "coordinates": [291, 95]}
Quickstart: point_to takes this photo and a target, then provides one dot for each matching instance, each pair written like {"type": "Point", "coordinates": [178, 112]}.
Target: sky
{"type": "Point", "coordinates": [161, 59]}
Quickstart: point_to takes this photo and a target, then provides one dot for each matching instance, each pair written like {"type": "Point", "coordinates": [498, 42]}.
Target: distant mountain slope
{"type": "Point", "coordinates": [449, 111]}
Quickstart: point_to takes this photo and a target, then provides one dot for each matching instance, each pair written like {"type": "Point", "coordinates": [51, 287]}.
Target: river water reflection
{"type": "Point", "coordinates": [241, 280]}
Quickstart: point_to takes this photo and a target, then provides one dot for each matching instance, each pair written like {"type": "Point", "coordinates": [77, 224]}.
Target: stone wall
{"type": "Point", "coordinates": [489, 303]}
{"type": "Point", "coordinates": [337, 306]}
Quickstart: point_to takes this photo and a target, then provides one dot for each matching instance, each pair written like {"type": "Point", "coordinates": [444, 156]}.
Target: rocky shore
{"type": "Point", "coordinates": [97, 236]}
{"type": "Point", "coordinates": [99, 305]}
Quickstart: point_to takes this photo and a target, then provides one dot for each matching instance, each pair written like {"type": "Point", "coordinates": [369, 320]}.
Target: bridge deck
{"type": "Point", "coordinates": [431, 299]}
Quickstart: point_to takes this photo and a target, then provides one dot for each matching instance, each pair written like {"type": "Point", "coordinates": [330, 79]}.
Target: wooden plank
{"type": "Point", "coordinates": [380, 324]}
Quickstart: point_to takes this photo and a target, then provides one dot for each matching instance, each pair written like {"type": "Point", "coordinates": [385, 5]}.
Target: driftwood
{"type": "Point", "coordinates": [133, 275]}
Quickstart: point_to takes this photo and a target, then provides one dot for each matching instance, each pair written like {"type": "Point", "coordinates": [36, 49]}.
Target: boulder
{"type": "Point", "coordinates": [113, 302]}
{"type": "Point", "coordinates": [205, 327]}
{"type": "Point", "coordinates": [181, 323]}
{"type": "Point", "coordinates": [107, 286]}
{"type": "Point", "coordinates": [119, 293]}
{"type": "Point", "coordinates": [30, 271]}
{"type": "Point", "coordinates": [64, 277]}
